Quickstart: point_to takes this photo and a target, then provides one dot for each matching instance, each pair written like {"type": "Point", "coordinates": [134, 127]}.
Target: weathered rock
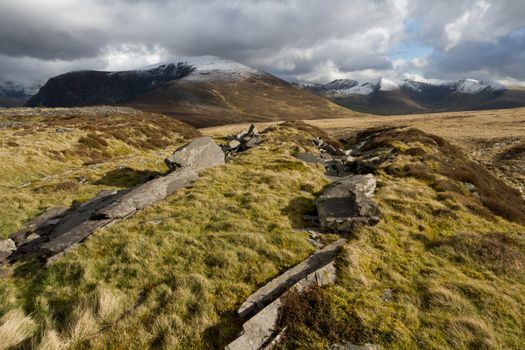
{"type": "Point", "coordinates": [146, 194]}
{"type": "Point", "coordinates": [364, 183]}
{"type": "Point", "coordinates": [349, 160]}
{"type": "Point", "coordinates": [264, 295]}
{"type": "Point", "coordinates": [342, 205]}
{"type": "Point", "coordinates": [199, 154]}
{"type": "Point", "coordinates": [84, 212]}
{"type": "Point", "coordinates": [308, 158]}
{"type": "Point", "coordinates": [42, 225]}
{"type": "Point", "coordinates": [261, 328]}
{"type": "Point", "coordinates": [335, 168]}
{"type": "Point", "coordinates": [7, 247]}
{"type": "Point", "coordinates": [73, 236]}
{"type": "Point", "coordinates": [251, 143]}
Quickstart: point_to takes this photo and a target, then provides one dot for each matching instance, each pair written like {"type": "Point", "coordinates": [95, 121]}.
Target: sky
{"type": "Point", "coordinates": [297, 40]}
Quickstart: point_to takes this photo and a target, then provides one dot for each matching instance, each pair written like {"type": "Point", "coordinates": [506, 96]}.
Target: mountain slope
{"type": "Point", "coordinates": [14, 94]}
{"type": "Point", "coordinates": [383, 97]}
{"type": "Point", "coordinates": [202, 91]}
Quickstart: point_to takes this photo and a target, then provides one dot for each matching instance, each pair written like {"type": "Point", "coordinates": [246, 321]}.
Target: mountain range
{"type": "Point", "coordinates": [202, 91]}
{"type": "Point", "coordinates": [209, 90]}
{"type": "Point", "coordinates": [381, 96]}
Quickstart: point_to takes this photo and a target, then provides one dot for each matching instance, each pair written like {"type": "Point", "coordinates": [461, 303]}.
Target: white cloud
{"type": "Point", "coordinates": [464, 24]}
{"type": "Point", "coordinates": [129, 56]}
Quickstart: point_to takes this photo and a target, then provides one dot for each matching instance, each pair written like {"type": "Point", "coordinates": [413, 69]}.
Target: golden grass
{"type": "Point", "coordinates": [50, 167]}
{"type": "Point", "coordinates": [15, 327]}
{"type": "Point", "coordinates": [172, 276]}
{"type": "Point", "coordinates": [216, 243]}
{"type": "Point", "coordinates": [455, 279]}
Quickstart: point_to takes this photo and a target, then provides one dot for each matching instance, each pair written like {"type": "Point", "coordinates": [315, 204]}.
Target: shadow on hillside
{"type": "Point", "coordinates": [127, 177]}
{"type": "Point", "coordinates": [297, 208]}
{"type": "Point", "coordinates": [224, 331]}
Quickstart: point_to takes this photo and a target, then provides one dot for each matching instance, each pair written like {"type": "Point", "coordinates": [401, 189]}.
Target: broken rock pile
{"type": "Point", "coordinates": [241, 142]}
{"type": "Point", "coordinates": [59, 229]}
{"type": "Point", "coordinates": [339, 162]}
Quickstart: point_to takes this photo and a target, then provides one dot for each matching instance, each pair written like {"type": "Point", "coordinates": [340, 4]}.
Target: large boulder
{"type": "Point", "coordinates": [199, 154]}
{"type": "Point", "coordinates": [344, 204]}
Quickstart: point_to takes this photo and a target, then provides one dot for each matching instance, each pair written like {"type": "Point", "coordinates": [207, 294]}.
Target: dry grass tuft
{"type": "Point", "coordinates": [15, 328]}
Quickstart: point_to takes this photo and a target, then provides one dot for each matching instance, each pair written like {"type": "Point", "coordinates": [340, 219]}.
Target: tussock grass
{"type": "Point", "coordinates": [433, 274]}
{"type": "Point", "coordinates": [15, 328]}
{"type": "Point", "coordinates": [57, 160]}
{"type": "Point", "coordinates": [172, 276]}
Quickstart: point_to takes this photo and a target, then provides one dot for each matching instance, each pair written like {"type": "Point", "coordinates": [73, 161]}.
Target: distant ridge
{"type": "Point", "coordinates": [385, 97]}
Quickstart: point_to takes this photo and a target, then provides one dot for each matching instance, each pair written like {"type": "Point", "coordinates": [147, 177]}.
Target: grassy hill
{"type": "Point", "coordinates": [260, 98]}
{"type": "Point", "coordinates": [443, 269]}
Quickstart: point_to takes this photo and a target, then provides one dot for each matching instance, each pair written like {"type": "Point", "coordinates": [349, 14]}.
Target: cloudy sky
{"type": "Point", "coordinates": [298, 40]}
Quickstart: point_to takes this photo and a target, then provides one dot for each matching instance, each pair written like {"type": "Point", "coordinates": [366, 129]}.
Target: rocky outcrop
{"type": "Point", "coordinates": [345, 203]}
{"type": "Point", "coordinates": [199, 154]}
{"type": "Point", "coordinates": [241, 142]}
{"type": "Point", "coordinates": [146, 194]}
{"type": "Point", "coordinates": [340, 163]}
{"type": "Point", "coordinates": [61, 228]}
{"type": "Point", "coordinates": [260, 329]}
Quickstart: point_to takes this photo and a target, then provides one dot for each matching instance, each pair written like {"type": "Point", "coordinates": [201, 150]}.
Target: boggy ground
{"type": "Point", "coordinates": [443, 269]}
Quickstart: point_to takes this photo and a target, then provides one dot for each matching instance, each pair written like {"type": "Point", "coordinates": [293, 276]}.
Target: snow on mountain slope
{"type": "Point", "coordinates": [472, 86]}
{"type": "Point", "coordinates": [209, 67]}
{"type": "Point", "coordinates": [348, 87]}
{"type": "Point", "coordinates": [465, 86]}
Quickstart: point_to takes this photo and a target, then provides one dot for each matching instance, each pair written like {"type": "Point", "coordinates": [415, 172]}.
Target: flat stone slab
{"type": "Point", "coordinates": [259, 330]}
{"type": "Point", "coordinates": [146, 194]}
{"type": "Point", "coordinates": [61, 228]}
{"type": "Point", "coordinates": [72, 237]}
{"type": "Point", "coordinates": [308, 158]}
{"type": "Point", "coordinates": [272, 290]}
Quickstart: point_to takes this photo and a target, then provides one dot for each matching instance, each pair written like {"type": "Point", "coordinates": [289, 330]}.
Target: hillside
{"type": "Point", "coordinates": [201, 91]}
{"type": "Point", "coordinates": [441, 268]}
{"type": "Point", "coordinates": [386, 98]}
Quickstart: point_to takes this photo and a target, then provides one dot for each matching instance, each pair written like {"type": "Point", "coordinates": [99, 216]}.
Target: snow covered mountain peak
{"type": "Point", "coordinates": [465, 86]}
{"type": "Point", "coordinates": [350, 87]}
{"type": "Point", "coordinates": [208, 67]}
{"type": "Point", "coordinates": [472, 86]}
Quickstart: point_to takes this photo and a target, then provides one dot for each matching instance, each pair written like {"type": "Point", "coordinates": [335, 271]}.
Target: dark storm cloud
{"type": "Point", "coordinates": [38, 32]}
{"type": "Point", "coordinates": [296, 39]}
